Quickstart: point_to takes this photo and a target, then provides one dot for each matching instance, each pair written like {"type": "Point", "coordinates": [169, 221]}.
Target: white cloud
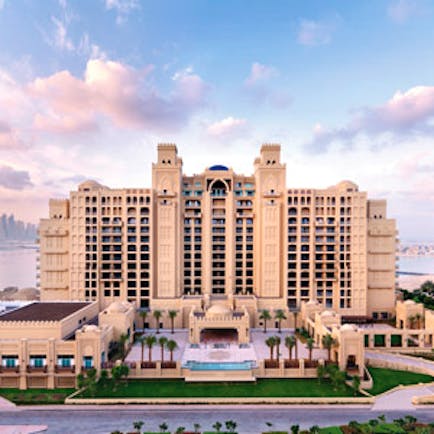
{"type": "Point", "coordinates": [260, 72]}
{"type": "Point", "coordinates": [2, 4]}
{"type": "Point", "coordinates": [226, 127]}
{"type": "Point", "coordinates": [401, 11]}
{"type": "Point", "coordinates": [259, 89]}
{"type": "Point", "coordinates": [314, 33]}
{"type": "Point", "coordinates": [122, 7]}
{"type": "Point", "coordinates": [405, 114]}
{"type": "Point", "coordinates": [61, 39]}
{"type": "Point", "coordinates": [116, 92]}
{"type": "Point", "coordinates": [90, 50]}
{"type": "Point", "coordinates": [13, 179]}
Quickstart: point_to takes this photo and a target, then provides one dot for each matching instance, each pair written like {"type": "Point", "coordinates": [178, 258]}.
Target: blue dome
{"type": "Point", "coordinates": [218, 167]}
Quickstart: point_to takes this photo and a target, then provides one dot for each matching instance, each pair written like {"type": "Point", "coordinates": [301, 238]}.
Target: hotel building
{"type": "Point", "coordinates": [221, 237]}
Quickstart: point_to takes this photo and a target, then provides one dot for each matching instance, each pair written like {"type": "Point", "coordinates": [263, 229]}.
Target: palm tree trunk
{"type": "Point", "coordinates": [310, 354]}
{"type": "Point", "coordinates": [171, 355]}
{"type": "Point", "coordinates": [162, 354]}
{"type": "Point", "coordinates": [150, 354]}
{"type": "Point", "coordinates": [296, 349]}
{"type": "Point", "coordinates": [271, 353]}
{"type": "Point", "coordinates": [290, 353]}
{"type": "Point", "coordinates": [329, 354]}
{"type": "Point", "coordinates": [265, 326]}
{"type": "Point", "coordinates": [142, 354]}
{"type": "Point", "coordinates": [280, 326]}
{"type": "Point", "coordinates": [172, 323]}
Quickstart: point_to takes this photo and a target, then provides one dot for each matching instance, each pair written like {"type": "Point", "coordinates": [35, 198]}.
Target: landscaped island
{"type": "Point", "coordinates": [379, 425]}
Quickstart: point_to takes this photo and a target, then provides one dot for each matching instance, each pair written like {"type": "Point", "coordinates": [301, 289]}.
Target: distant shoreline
{"type": "Point", "coordinates": [18, 244]}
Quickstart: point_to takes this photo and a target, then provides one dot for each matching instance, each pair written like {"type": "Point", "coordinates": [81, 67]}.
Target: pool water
{"type": "Point", "coordinates": [218, 366]}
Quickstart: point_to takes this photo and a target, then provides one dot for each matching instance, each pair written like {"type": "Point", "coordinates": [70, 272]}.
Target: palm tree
{"type": "Point", "coordinates": [123, 339]}
{"type": "Point", "coordinates": [143, 314]}
{"type": "Point", "coordinates": [355, 383]}
{"type": "Point", "coordinates": [138, 425]}
{"type": "Point", "coordinates": [157, 315]}
{"type": "Point", "coordinates": [290, 343]}
{"type": "Point", "coordinates": [277, 343]}
{"type": "Point", "coordinates": [337, 377]}
{"type": "Point", "coordinates": [150, 340]}
{"type": "Point", "coordinates": [231, 425]}
{"type": "Point", "coordinates": [172, 316]}
{"type": "Point", "coordinates": [163, 427]}
{"type": "Point", "coordinates": [171, 346]}
{"type": "Point", "coordinates": [328, 341]}
{"type": "Point", "coordinates": [271, 342]}
{"type": "Point", "coordinates": [295, 313]}
{"type": "Point", "coordinates": [142, 340]}
{"type": "Point", "coordinates": [309, 345]}
{"type": "Point", "coordinates": [217, 426]}
{"type": "Point", "coordinates": [321, 372]}
{"type": "Point", "coordinates": [162, 342]}
{"type": "Point", "coordinates": [295, 429]}
{"type": "Point", "coordinates": [265, 316]}
{"type": "Point", "coordinates": [280, 316]}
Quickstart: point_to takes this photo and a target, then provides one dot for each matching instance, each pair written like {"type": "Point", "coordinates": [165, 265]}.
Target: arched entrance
{"type": "Point", "coordinates": [219, 336]}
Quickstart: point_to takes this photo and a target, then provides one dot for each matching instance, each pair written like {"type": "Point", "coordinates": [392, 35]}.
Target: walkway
{"type": "Point", "coordinates": [401, 399]}
{"type": "Point", "coordinates": [415, 362]}
{"type": "Point", "coordinates": [6, 405]}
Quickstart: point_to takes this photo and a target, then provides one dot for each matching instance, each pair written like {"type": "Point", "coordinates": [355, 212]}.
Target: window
{"type": "Point", "coordinates": [9, 361]}
{"type": "Point", "coordinates": [65, 361]}
{"type": "Point", "coordinates": [38, 361]}
{"type": "Point", "coordinates": [88, 362]}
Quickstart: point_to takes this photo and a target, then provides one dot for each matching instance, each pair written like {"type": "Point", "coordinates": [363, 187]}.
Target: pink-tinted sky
{"type": "Point", "coordinates": [88, 89]}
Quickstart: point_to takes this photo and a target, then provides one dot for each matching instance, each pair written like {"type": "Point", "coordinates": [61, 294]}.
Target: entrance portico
{"type": "Point", "coordinates": [219, 317]}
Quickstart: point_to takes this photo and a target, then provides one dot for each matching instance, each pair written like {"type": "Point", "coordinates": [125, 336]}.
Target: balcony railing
{"type": "Point", "coordinates": [9, 369]}
{"type": "Point", "coordinates": [37, 369]}
{"type": "Point", "coordinates": [64, 369]}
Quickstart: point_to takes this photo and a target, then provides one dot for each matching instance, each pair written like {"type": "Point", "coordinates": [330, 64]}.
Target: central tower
{"type": "Point", "coordinates": [270, 228]}
{"type": "Point", "coordinates": [167, 183]}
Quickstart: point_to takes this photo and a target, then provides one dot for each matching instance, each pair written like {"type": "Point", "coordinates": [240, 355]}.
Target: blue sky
{"type": "Point", "coordinates": [88, 88]}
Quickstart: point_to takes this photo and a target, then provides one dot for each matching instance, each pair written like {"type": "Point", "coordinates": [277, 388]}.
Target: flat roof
{"type": "Point", "coordinates": [40, 311]}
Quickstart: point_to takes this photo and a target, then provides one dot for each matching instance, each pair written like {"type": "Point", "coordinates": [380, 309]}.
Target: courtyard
{"type": "Point", "coordinates": [220, 347]}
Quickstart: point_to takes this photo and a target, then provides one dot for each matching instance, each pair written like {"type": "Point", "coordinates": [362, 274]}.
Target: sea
{"type": "Point", "coordinates": [18, 265]}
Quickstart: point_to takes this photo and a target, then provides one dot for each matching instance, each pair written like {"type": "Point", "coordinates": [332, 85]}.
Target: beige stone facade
{"type": "Point", "coordinates": [46, 345]}
{"type": "Point", "coordinates": [220, 235]}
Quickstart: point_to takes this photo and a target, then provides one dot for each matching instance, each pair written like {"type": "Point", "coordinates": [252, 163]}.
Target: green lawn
{"type": "Point", "coordinates": [331, 430]}
{"type": "Point", "coordinates": [262, 388]}
{"type": "Point", "coordinates": [36, 396]}
{"type": "Point", "coordinates": [385, 379]}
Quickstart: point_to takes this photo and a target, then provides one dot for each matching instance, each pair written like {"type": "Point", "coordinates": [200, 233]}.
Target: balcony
{"type": "Point", "coordinates": [36, 369]}
{"type": "Point", "coordinates": [271, 193]}
{"type": "Point", "coordinates": [64, 369]}
{"type": "Point", "coordinates": [165, 193]}
{"type": "Point", "coordinates": [9, 370]}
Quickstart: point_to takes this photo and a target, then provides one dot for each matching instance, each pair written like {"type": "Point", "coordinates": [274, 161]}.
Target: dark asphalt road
{"type": "Point", "coordinates": [250, 419]}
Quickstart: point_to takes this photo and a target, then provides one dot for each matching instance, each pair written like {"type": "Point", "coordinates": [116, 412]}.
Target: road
{"type": "Point", "coordinates": [250, 419]}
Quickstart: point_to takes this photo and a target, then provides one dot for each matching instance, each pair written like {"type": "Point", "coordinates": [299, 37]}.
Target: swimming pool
{"type": "Point", "coordinates": [218, 366]}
